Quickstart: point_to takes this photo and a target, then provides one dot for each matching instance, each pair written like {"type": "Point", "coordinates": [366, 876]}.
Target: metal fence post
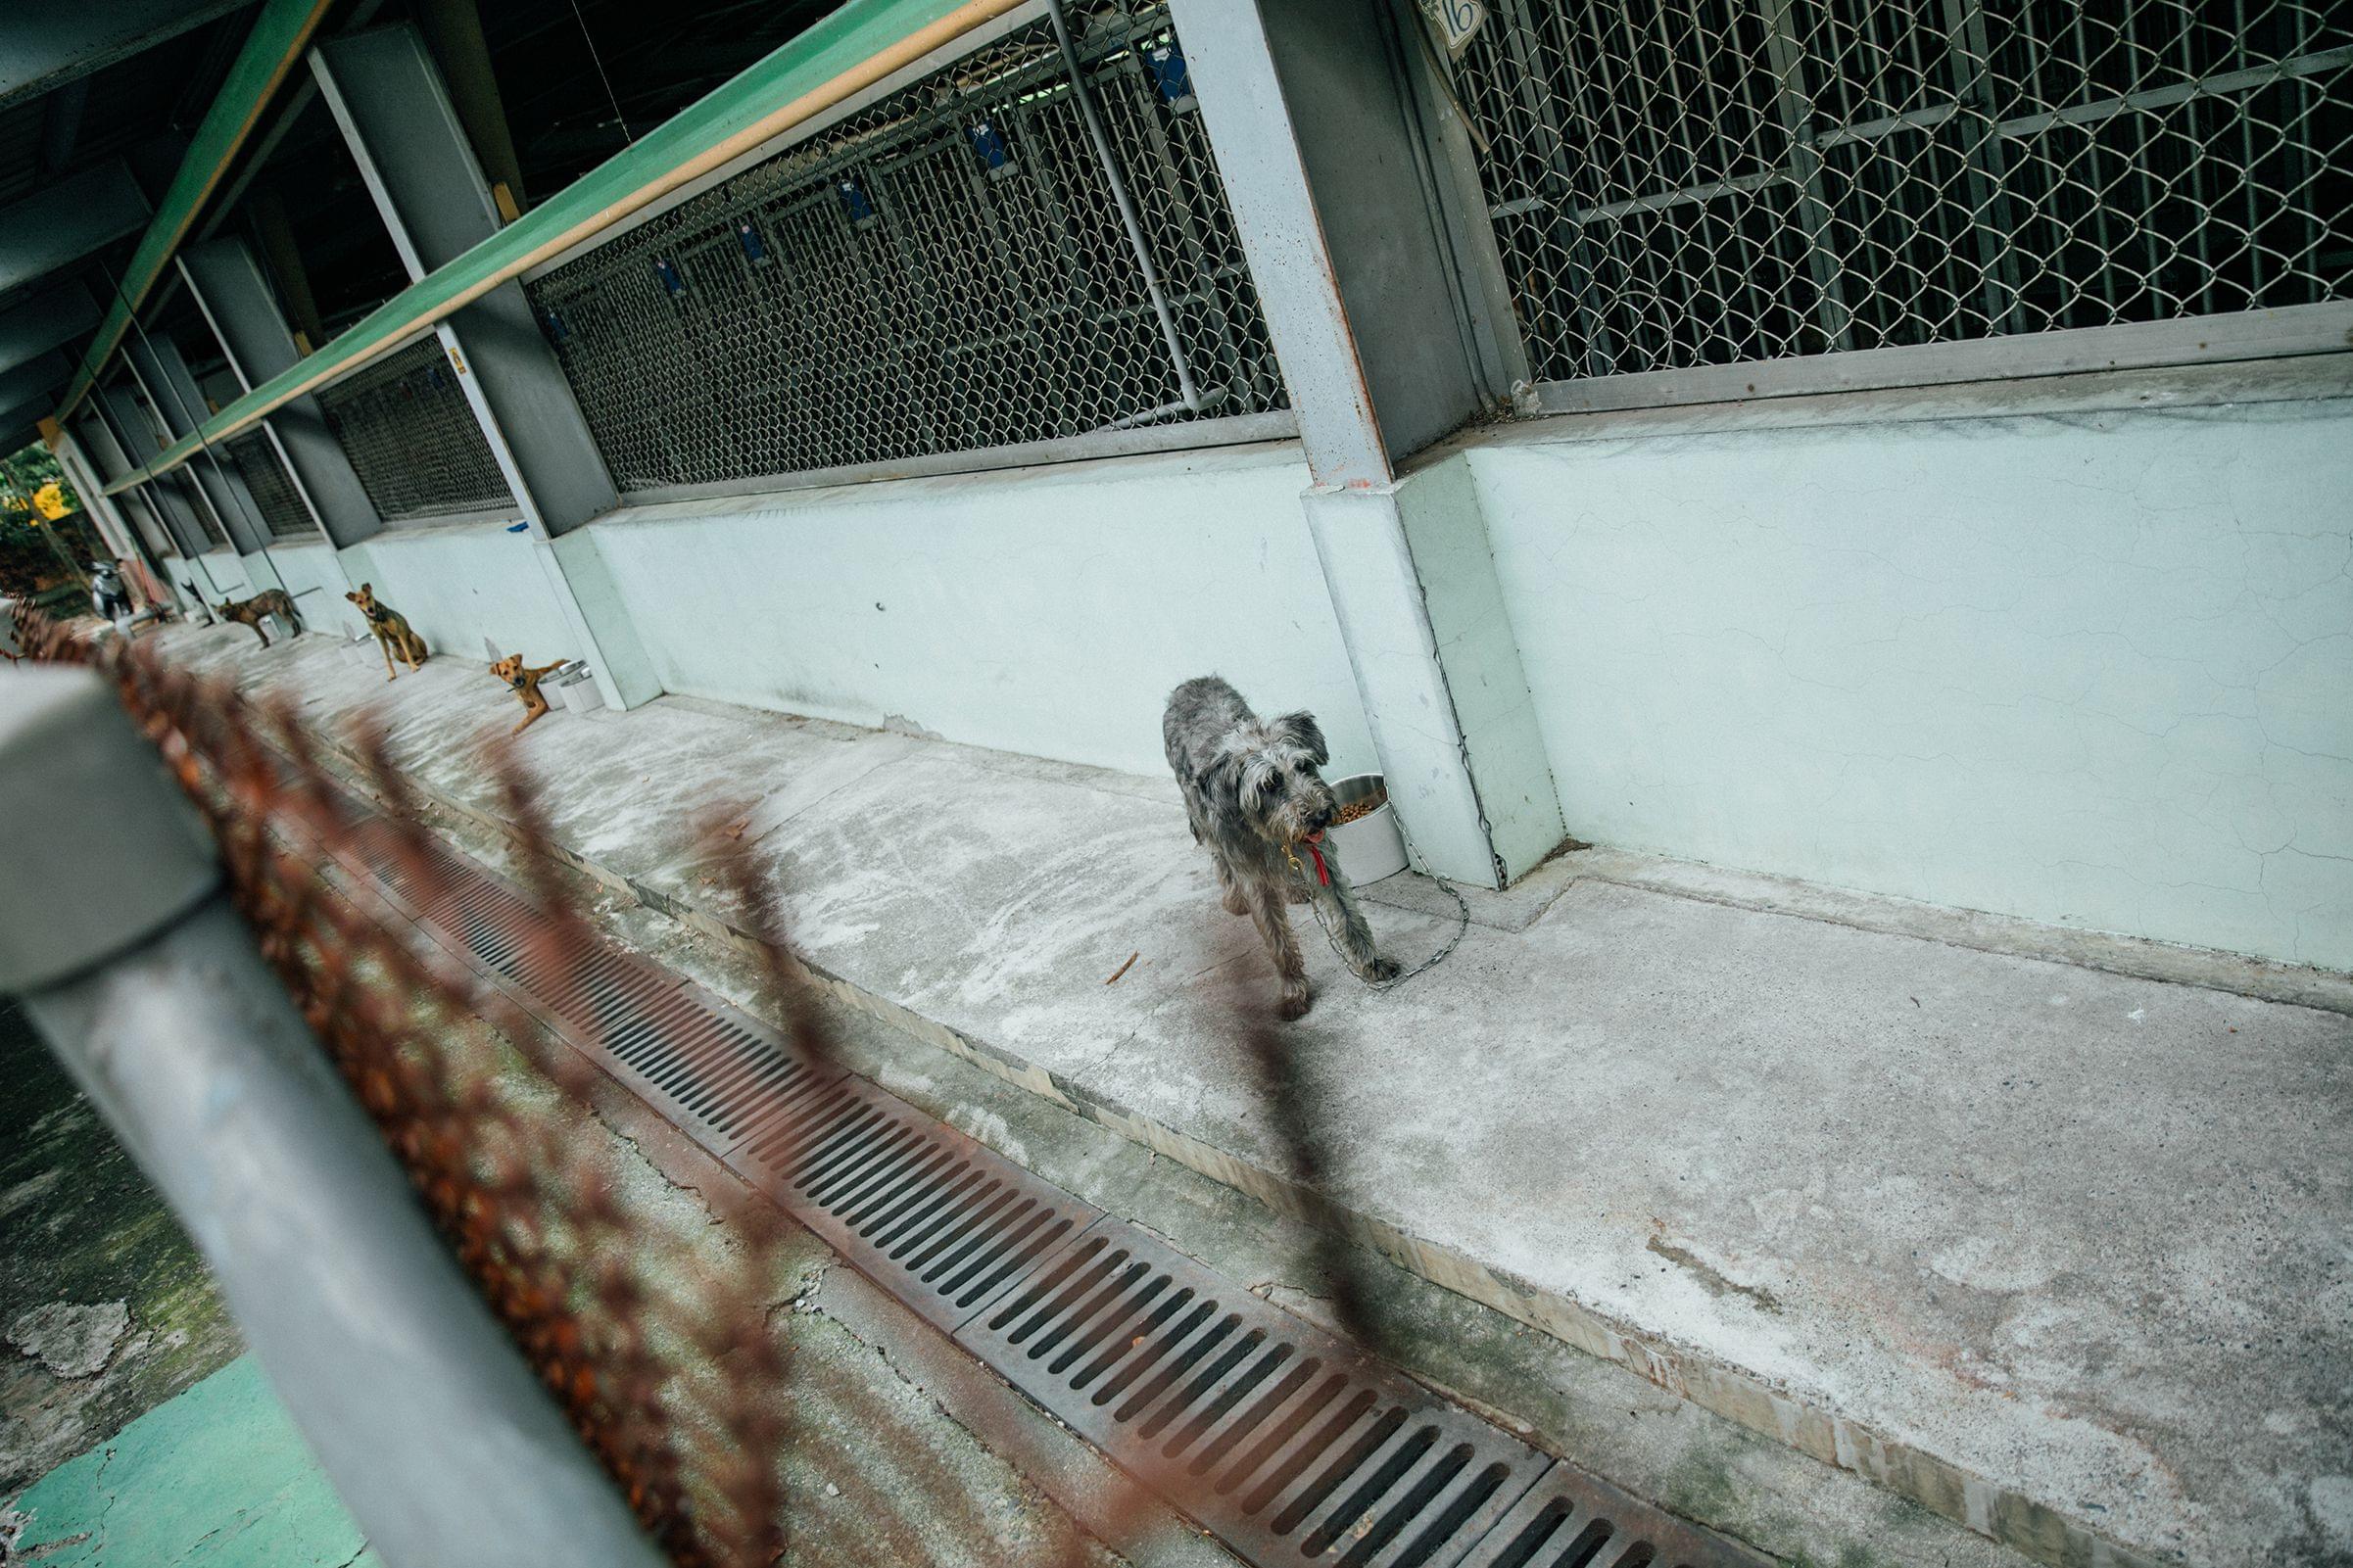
{"type": "Point", "coordinates": [147, 987]}
{"type": "Point", "coordinates": [1187, 392]}
{"type": "Point", "coordinates": [1308, 110]}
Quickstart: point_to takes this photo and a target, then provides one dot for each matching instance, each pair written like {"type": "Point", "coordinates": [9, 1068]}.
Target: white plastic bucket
{"type": "Point", "coordinates": [1373, 846]}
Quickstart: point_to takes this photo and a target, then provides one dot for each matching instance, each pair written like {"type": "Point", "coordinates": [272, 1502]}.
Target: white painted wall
{"type": "Point", "coordinates": [2094, 669]}
{"type": "Point", "coordinates": [217, 575]}
{"type": "Point", "coordinates": [312, 575]}
{"type": "Point", "coordinates": [1045, 610]}
{"type": "Point", "coordinates": [459, 585]}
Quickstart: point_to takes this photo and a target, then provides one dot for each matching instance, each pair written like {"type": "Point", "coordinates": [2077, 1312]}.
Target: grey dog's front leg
{"type": "Point", "coordinates": [1339, 907]}
{"type": "Point", "coordinates": [1274, 923]}
{"type": "Point", "coordinates": [1230, 884]}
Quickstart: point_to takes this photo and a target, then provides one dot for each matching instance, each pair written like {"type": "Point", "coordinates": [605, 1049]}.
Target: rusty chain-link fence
{"type": "Point", "coordinates": [622, 1328]}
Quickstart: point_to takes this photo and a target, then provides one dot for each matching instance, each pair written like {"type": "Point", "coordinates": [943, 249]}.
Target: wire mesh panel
{"type": "Point", "coordinates": [264, 474]}
{"type": "Point", "coordinates": [412, 439]}
{"type": "Point", "coordinates": [1717, 181]}
{"type": "Point", "coordinates": [943, 271]}
{"type": "Point", "coordinates": [141, 433]}
{"type": "Point", "coordinates": [194, 503]}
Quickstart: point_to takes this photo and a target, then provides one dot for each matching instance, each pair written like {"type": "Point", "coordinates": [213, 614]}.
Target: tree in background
{"type": "Point", "coordinates": [45, 541]}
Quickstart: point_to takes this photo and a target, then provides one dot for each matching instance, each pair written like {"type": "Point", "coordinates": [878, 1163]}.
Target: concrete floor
{"type": "Point", "coordinates": [216, 1477]}
{"type": "Point", "coordinates": [2066, 1255]}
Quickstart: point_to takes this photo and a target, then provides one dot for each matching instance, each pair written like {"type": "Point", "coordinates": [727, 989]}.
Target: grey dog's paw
{"type": "Point", "coordinates": [1382, 970]}
{"type": "Point", "coordinates": [1294, 1005]}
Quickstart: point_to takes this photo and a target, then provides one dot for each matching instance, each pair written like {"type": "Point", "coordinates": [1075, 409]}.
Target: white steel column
{"type": "Point", "coordinates": [394, 113]}
{"type": "Point", "coordinates": [1354, 275]}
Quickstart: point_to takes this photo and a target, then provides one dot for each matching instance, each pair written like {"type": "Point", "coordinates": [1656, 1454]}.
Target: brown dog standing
{"type": "Point", "coordinates": [248, 612]}
{"type": "Point", "coordinates": [392, 629]}
{"type": "Point", "coordinates": [525, 683]}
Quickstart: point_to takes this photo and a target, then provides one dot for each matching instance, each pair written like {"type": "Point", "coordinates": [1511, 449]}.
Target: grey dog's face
{"type": "Point", "coordinates": [1281, 794]}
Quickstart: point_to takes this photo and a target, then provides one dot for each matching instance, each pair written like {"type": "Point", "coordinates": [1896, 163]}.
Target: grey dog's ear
{"type": "Point", "coordinates": [1220, 785]}
{"type": "Point", "coordinates": [1300, 729]}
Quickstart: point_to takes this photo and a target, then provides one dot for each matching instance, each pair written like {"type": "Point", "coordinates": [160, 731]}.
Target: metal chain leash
{"type": "Point", "coordinates": [1462, 929]}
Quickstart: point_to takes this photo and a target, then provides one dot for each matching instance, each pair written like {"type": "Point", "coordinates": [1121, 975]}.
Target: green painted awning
{"type": "Point", "coordinates": [847, 52]}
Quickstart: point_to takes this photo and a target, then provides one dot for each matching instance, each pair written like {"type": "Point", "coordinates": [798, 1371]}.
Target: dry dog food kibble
{"type": "Point", "coordinates": [1357, 808]}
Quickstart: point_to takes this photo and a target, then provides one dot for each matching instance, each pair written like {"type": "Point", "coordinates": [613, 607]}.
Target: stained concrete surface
{"type": "Point", "coordinates": [215, 1478]}
{"type": "Point", "coordinates": [106, 1310]}
{"type": "Point", "coordinates": [133, 1431]}
{"type": "Point", "coordinates": [2065, 1253]}
{"type": "Point", "coordinates": [1669, 1450]}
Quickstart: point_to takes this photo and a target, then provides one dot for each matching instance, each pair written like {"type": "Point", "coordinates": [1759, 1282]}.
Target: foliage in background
{"type": "Point", "coordinates": [45, 541]}
{"type": "Point", "coordinates": [27, 472]}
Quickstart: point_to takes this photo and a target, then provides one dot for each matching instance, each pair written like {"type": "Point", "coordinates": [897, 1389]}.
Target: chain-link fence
{"type": "Point", "coordinates": [131, 416]}
{"type": "Point", "coordinates": [271, 487]}
{"type": "Point", "coordinates": [1718, 181]}
{"type": "Point", "coordinates": [944, 271]}
{"type": "Point", "coordinates": [198, 507]}
{"type": "Point", "coordinates": [412, 437]}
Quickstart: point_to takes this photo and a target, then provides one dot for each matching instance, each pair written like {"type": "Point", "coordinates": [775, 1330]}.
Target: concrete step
{"type": "Point", "coordinates": [2056, 1252]}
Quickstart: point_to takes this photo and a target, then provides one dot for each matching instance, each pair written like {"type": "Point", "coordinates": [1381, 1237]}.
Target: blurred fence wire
{"type": "Point", "coordinates": [667, 1363]}
{"type": "Point", "coordinates": [628, 1329]}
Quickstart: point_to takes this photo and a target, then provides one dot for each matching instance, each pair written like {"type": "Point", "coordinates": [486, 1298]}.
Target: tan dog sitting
{"type": "Point", "coordinates": [393, 634]}
{"type": "Point", "coordinates": [525, 683]}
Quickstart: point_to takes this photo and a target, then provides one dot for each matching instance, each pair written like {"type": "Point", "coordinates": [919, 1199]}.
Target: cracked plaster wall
{"type": "Point", "coordinates": [316, 579]}
{"type": "Point", "coordinates": [2095, 670]}
{"type": "Point", "coordinates": [459, 585]}
{"type": "Point", "coordinates": [1047, 611]}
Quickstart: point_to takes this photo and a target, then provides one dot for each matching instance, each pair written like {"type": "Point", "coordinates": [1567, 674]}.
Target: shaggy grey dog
{"type": "Point", "coordinates": [1260, 807]}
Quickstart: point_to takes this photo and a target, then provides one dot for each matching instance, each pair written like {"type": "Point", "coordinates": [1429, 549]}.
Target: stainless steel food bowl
{"type": "Point", "coordinates": [1373, 846]}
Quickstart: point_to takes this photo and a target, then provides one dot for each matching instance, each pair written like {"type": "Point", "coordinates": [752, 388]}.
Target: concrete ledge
{"type": "Point", "coordinates": [1519, 906]}
{"type": "Point", "coordinates": [2056, 1252]}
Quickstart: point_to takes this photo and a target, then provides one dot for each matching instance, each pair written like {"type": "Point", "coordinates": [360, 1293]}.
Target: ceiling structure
{"type": "Point", "coordinates": [98, 107]}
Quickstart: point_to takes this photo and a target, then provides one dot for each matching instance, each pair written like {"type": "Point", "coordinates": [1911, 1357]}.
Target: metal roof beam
{"type": "Point", "coordinates": [59, 225]}
{"type": "Point", "coordinates": [44, 47]}
{"type": "Point", "coordinates": [48, 319]}
{"type": "Point", "coordinates": [272, 49]}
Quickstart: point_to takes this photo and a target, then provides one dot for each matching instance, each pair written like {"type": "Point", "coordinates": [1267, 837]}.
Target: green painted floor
{"type": "Point", "coordinates": [215, 1476]}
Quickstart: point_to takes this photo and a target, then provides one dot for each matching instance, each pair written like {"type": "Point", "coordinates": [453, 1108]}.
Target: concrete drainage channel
{"type": "Point", "coordinates": [1283, 1441]}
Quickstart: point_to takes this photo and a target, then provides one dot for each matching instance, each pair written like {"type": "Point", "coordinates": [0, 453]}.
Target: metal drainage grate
{"type": "Point", "coordinates": [1574, 1520]}
{"type": "Point", "coordinates": [934, 1217]}
{"type": "Point", "coordinates": [939, 1220]}
{"type": "Point", "coordinates": [1291, 1445]}
{"type": "Point", "coordinates": [1283, 1441]}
